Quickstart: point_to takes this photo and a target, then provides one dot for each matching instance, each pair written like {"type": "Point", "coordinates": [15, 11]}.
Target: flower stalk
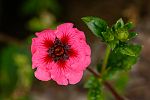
{"type": "Point", "coordinates": [104, 65]}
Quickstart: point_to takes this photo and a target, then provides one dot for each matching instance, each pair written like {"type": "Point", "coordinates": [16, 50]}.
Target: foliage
{"type": "Point", "coordinates": [123, 54]}
{"type": "Point", "coordinates": [95, 89]}
{"type": "Point", "coordinates": [96, 25]}
{"type": "Point", "coordinates": [113, 36]}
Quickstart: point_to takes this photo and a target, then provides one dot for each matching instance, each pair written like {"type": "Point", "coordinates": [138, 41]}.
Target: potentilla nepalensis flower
{"type": "Point", "coordinates": [61, 55]}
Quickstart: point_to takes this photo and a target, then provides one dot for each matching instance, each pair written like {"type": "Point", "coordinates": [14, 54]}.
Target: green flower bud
{"type": "Point", "coordinates": [122, 34]}
{"type": "Point", "coordinates": [108, 36]}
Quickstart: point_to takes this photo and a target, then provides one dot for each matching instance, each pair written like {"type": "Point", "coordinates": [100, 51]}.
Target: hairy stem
{"type": "Point", "coordinates": [105, 59]}
{"type": "Point", "coordinates": [107, 85]}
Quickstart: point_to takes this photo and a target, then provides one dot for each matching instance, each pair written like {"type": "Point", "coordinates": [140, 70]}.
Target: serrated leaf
{"type": "Point", "coordinates": [129, 49]}
{"type": "Point", "coordinates": [94, 85]}
{"type": "Point", "coordinates": [96, 25]}
{"type": "Point", "coordinates": [126, 50]}
{"type": "Point", "coordinates": [129, 25]}
{"type": "Point", "coordinates": [121, 62]}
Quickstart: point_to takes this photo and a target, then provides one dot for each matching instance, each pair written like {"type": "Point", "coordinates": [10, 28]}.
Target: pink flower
{"type": "Point", "coordinates": [61, 55]}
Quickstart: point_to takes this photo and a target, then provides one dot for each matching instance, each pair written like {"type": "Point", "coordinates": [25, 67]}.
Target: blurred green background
{"type": "Point", "coordinates": [20, 19]}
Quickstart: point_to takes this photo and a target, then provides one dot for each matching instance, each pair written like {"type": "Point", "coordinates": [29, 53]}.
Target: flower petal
{"type": "Point", "coordinates": [42, 74]}
{"type": "Point", "coordinates": [74, 76]}
{"type": "Point", "coordinates": [41, 59]}
{"type": "Point", "coordinates": [33, 46]}
{"type": "Point", "coordinates": [58, 74]}
{"type": "Point", "coordinates": [80, 34]}
{"type": "Point", "coordinates": [67, 31]}
{"type": "Point", "coordinates": [45, 39]}
{"type": "Point", "coordinates": [65, 27]}
{"type": "Point", "coordinates": [82, 59]}
{"type": "Point", "coordinates": [46, 32]}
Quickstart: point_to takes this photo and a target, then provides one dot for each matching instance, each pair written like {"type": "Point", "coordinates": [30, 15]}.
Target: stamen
{"type": "Point", "coordinates": [59, 51]}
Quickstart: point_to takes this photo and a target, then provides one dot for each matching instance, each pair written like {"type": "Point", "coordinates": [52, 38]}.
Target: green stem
{"type": "Point", "coordinates": [108, 49]}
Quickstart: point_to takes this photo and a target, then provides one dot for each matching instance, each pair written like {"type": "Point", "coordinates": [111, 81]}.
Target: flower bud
{"type": "Point", "coordinates": [122, 34]}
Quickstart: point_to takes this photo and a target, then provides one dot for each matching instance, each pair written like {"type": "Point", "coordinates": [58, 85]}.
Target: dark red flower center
{"type": "Point", "coordinates": [59, 51]}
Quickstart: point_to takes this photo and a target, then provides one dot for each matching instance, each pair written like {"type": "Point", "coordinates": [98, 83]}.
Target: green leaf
{"type": "Point", "coordinates": [129, 25]}
{"type": "Point", "coordinates": [129, 49]}
{"type": "Point", "coordinates": [119, 24]}
{"type": "Point", "coordinates": [108, 35]}
{"type": "Point", "coordinates": [110, 38]}
{"type": "Point", "coordinates": [96, 25]}
{"type": "Point", "coordinates": [94, 85]}
{"type": "Point", "coordinates": [132, 35]}
{"type": "Point", "coordinates": [121, 62]}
